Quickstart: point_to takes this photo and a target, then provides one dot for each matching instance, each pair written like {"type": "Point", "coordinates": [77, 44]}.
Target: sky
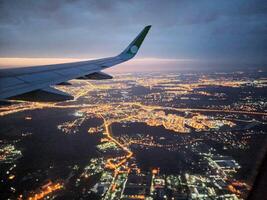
{"type": "Point", "coordinates": [194, 35]}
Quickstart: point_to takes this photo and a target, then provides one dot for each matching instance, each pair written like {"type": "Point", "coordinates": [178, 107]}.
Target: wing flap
{"type": "Point", "coordinates": [44, 95]}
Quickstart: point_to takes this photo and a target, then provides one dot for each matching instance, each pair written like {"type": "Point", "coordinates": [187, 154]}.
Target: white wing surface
{"type": "Point", "coordinates": [33, 83]}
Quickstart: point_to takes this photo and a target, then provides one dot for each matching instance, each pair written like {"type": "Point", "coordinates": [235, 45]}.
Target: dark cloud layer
{"type": "Point", "coordinates": [229, 33]}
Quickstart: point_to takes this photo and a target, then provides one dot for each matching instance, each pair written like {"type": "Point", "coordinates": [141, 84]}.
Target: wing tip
{"type": "Point", "coordinates": [135, 45]}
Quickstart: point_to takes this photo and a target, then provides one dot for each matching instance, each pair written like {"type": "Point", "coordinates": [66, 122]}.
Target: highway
{"type": "Point", "coordinates": [107, 133]}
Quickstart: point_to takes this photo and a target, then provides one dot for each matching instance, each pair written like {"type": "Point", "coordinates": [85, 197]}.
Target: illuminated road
{"type": "Point", "coordinates": [196, 109]}
{"type": "Point", "coordinates": [107, 133]}
{"type": "Point", "coordinates": [46, 191]}
{"type": "Point", "coordinates": [109, 136]}
{"type": "Point", "coordinates": [18, 108]}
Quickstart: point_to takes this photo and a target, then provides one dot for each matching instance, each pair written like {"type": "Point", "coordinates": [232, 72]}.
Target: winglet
{"type": "Point", "coordinates": [133, 48]}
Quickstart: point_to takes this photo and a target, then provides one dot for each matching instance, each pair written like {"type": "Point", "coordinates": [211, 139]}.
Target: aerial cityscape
{"type": "Point", "coordinates": [171, 135]}
{"type": "Point", "coordinates": [133, 100]}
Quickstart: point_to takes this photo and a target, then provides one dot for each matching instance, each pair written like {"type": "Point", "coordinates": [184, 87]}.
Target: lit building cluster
{"type": "Point", "coordinates": [44, 191]}
{"type": "Point", "coordinates": [202, 124]}
{"type": "Point", "coordinates": [9, 153]}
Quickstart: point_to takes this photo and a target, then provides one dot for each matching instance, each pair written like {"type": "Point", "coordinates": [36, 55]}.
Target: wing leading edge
{"type": "Point", "coordinates": [18, 82]}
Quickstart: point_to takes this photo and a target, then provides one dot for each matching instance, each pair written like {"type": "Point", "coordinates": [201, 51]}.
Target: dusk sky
{"type": "Point", "coordinates": [225, 34]}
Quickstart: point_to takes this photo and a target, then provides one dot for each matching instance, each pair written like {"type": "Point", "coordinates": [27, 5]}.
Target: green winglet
{"type": "Point", "coordinates": [133, 48]}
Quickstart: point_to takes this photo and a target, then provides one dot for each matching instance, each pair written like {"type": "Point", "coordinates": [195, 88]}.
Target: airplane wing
{"type": "Point", "coordinates": [33, 83]}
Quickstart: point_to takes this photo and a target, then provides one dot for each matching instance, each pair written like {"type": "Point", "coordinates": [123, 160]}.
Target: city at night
{"type": "Point", "coordinates": [182, 117]}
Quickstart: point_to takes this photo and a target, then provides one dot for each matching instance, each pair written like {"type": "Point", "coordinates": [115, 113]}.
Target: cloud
{"type": "Point", "coordinates": [206, 30]}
